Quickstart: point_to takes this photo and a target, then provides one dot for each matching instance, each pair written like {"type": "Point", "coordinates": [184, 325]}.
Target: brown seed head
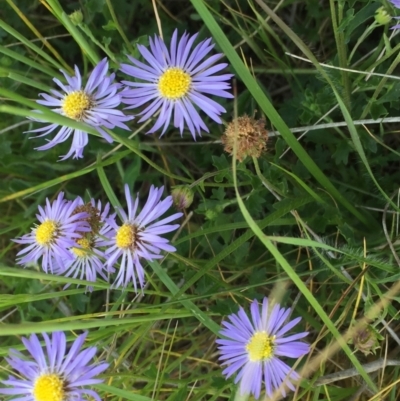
{"type": "Point", "coordinates": [93, 219]}
{"type": "Point", "coordinates": [251, 137]}
{"type": "Point", "coordinates": [366, 339]}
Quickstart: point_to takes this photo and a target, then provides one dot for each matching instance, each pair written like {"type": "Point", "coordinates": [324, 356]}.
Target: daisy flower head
{"type": "Point", "coordinates": [176, 82]}
{"type": "Point", "coordinates": [52, 373]}
{"type": "Point", "coordinates": [252, 348]}
{"type": "Point", "coordinates": [57, 231]}
{"type": "Point", "coordinates": [139, 236]}
{"type": "Point", "coordinates": [94, 104]}
{"type": "Point", "coordinates": [87, 260]}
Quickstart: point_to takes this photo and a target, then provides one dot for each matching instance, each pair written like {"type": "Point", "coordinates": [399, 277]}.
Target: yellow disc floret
{"type": "Point", "coordinates": [260, 347]}
{"type": "Point", "coordinates": [85, 247]}
{"type": "Point", "coordinates": [49, 387]}
{"type": "Point", "coordinates": [174, 83]}
{"type": "Point", "coordinates": [76, 104]}
{"type": "Point", "coordinates": [126, 236]}
{"type": "Point", "coordinates": [47, 232]}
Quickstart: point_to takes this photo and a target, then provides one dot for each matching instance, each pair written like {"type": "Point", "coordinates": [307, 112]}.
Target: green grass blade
{"type": "Point", "coordinates": [189, 305]}
{"type": "Point", "coordinates": [37, 50]}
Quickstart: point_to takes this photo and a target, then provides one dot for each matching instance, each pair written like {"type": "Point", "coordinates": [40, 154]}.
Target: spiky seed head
{"type": "Point", "coordinates": [250, 135]}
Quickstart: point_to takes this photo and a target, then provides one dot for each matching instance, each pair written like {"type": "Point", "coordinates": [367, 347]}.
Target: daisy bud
{"type": "Point", "coordinates": [182, 195]}
{"type": "Point", "coordinates": [250, 136]}
{"type": "Point", "coordinates": [212, 214]}
{"type": "Point", "coordinates": [76, 17]}
{"type": "Point", "coordinates": [382, 17]}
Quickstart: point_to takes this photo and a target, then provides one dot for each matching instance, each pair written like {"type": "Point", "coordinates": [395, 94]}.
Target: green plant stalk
{"type": "Point", "coordinates": [380, 86]}
{"type": "Point", "coordinates": [39, 35]}
{"type": "Point", "coordinates": [24, 80]}
{"type": "Point", "coordinates": [82, 42]}
{"type": "Point", "coordinates": [46, 115]}
{"type": "Point", "coordinates": [389, 54]}
{"type": "Point", "coordinates": [107, 187]}
{"type": "Point", "coordinates": [56, 181]}
{"type": "Point", "coordinates": [50, 326]}
{"type": "Point", "coordinates": [189, 305]}
{"type": "Point", "coordinates": [341, 49]}
{"type": "Point", "coordinates": [74, 31]}
{"type": "Point", "coordinates": [37, 50]}
{"type": "Point", "coordinates": [105, 49]}
{"type": "Point", "coordinates": [30, 63]}
{"type": "Point", "coordinates": [361, 39]}
{"type": "Point", "coordinates": [117, 24]}
{"type": "Point", "coordinates": [133, 147]}
{"type": "Point", "coordinates": [122, 394]}
{"type": "Point", "coordinates": [308, 189]}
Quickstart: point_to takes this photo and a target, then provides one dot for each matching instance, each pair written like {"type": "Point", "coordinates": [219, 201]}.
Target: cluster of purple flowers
{"type": "Point", "coordinates": [85, 241]}
{"type": "Point", "coordinates": [88, 240]}
{"type": "Point", "coordinates": [174, 84]}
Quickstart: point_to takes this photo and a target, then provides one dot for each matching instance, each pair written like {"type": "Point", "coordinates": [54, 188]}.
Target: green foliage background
{"type": "Point", "coordinates": [313, 223]}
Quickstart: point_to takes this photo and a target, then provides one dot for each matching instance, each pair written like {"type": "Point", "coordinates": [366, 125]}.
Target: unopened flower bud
{"type": "Point", "coordinates": [182, 196]}
{"type": "Point", "coordinates": [250, 136]}
{"type": "Point", "coordinates": [76, 17]}
{"type": "Point", "coordinates": [382, 17]}
{"type": "Point", "coordinates": [211, 214]}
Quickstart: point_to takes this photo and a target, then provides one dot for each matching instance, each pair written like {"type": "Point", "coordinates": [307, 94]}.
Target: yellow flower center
{"type": "Point", "coordinates": [84, 249]}
{"type": "Point", "coordinates": [46, 232]}
{"type": "Point", "coordinates": [260, 347]}
{"type": "Point", "coordinates": [126, 236]}
{"type": "Point", "coordinates": [174, 83]}
{"type": "Point", "coordinates": [49, 387]}
{"type": "Point", "coordinates": [76, 104]}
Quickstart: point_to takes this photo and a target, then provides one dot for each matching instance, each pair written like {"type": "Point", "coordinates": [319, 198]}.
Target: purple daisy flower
{"type": "Point", "coordinates": [175, 81]}
{"type": "Point", "coordinates": [253, 348]}
{"type": "Point", "coordinates": [87, 260]}
{"type": "Point", "coordinates": [396, 3]}
{"type": "Point", "coordinates": [136, 238]}
{"type": "Point", "coordinates": [58, 230]}
{"type": "Point", "coordinates": [95, 104]}
{"type": "Point", "coordinates": [53, 375]}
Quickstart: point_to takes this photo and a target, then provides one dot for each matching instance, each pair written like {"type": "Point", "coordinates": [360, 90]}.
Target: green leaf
{"type": "Point", "coordinates": [95, 6]}
{"type": "Point", "coordinates": [110, 26]}
{"type": "Point", "coordinates": [341, 154]}
{"type": "Point", "coordinates": [5, 148]}
{"type": "Point", "coordinates": [123, 394]}
{"type": "Point", "coordinates": [189, 305]}
{"type": "Point", "coordinates": [359, 18]}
